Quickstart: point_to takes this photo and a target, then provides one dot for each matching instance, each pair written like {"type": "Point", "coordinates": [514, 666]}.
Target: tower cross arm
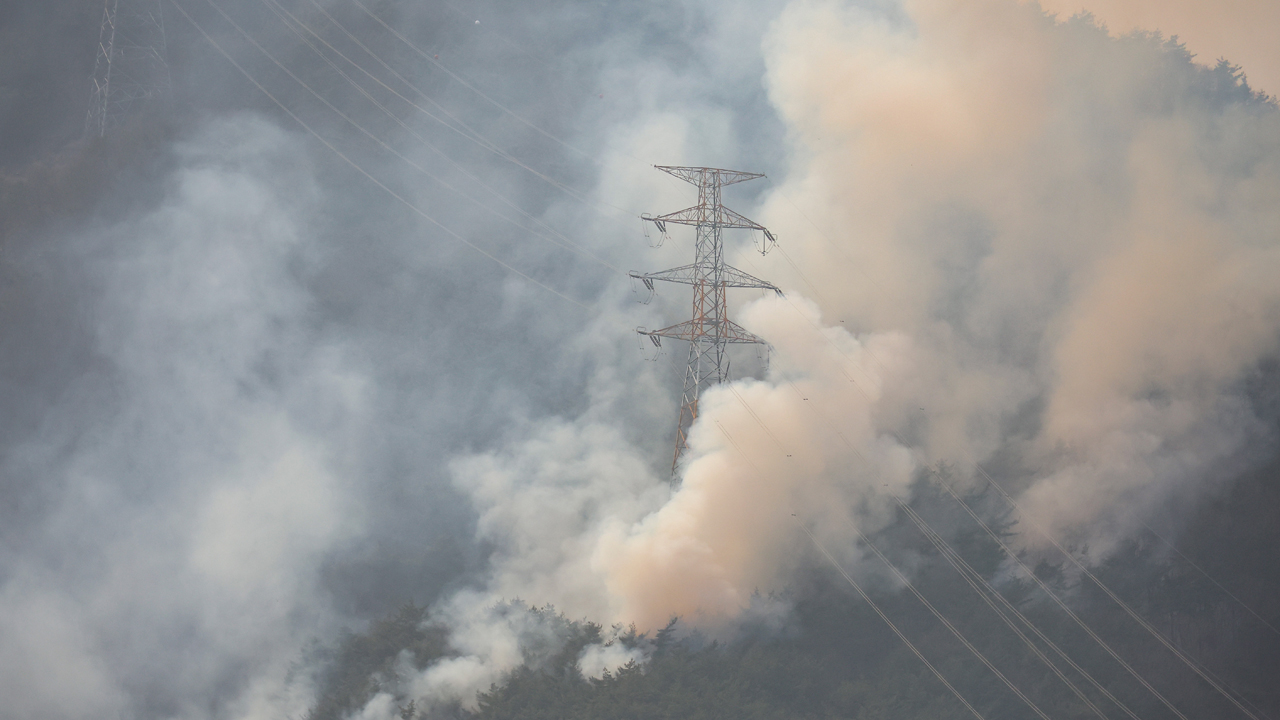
{"type": "Point", "coordinates": [708, 176]}
{"type": "Point", "coordinates": [718, 215]}
{"type": "Point", "coordinates": [693, 331]}
{"type": "Point", "coordinates": [730, 277]}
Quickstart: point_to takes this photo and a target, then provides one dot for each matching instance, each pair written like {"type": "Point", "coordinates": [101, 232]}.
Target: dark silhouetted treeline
{"type": "Point", "coordinates": [833, 658]}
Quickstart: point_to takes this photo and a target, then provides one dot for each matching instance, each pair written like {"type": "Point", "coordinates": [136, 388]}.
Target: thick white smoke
{"type": "Point", "coordinates": [1016, 233]}
{"type": "Point", "coordinates": [194, 500]}
{"type": "Point", "coordinates": [1052, 229]}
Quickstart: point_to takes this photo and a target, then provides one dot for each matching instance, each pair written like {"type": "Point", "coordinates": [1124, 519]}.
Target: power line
{"type": "Point", "coordinates": [1058, 601]}
{"type": "Point", "coordinates": [863, 593]}
{"type": "Point", "coordinates": [910, 645]}
{"type": "Point", "coordinates": [960, 565]}
{"type": "Point", "coordinates": [355, 166]}
{"type": "Point", "coordinates": [968, 573]}
{"type": "Point", "coordinates": [973, 578]}
{"type": "Point", "coordinates": [948, 624]}
{"type": "Point", "coordinates": [555, 237]}
{"type": "Point", "coordinates": [1133, 614]}
{"type": "Point", "coordinates": [1210, 578]}
{"type": "Point", "coordinates": [1194, 666]}
{"type": "Point", "coordinates": [462, 81]}
{"type": "Point", "coordinates": [1031, 574]}
{"type": "Point", "coordinates": [948, 552]}
{"type": "Point", "coordinates": [466, 130]}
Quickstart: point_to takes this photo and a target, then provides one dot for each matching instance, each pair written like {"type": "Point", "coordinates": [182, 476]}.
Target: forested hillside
{"type": "Point", "coordinates": [832, 657]}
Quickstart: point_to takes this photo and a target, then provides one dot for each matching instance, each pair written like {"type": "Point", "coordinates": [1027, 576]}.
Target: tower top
{"type": "Point", "coordinates": [708, 176]}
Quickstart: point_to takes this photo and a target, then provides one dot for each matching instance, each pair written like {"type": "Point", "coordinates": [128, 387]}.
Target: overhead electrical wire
{"type": "Point", "coordinates": [867, 599]}
{"type": "Point", "coordinates": [459, 79]}
{"type": "Point", "coordinates": [1210, 578]}
{"type": "Point", "coordinates": [488, 145]}
{"type": "Point", "coordinates": [1088, 630]}
{"type": "Point", "coordinates": [968, 573]}
{"type": "Point", "coordinates": [1191, 664]}
{"type": "Point", "coordinates": [1012, 555]}
{"type": "Point", "coordinates": [948, 624]}
{"type": "Point", "coordinates": [1044, 587]}
{"type": "Point", "coordinates": [555, 237]}
{"type": "Point", "coordinates": [488, 28]}
{"type": "Point", "coordinates": [355, 166]}
{"type": "Point", "coordinates": [1159, 636]}
{"type": "Point", "coordinates": [975, 579]}
{"type": "Point", "coordinates": [863, 594]}
{"type": "Point", "coordinates": [941, 543]}
{"type": "Point", "coordinates": [743, 400]}
{"type": "Point", "coordinates": [466, 130]}
{"type": "Point", "coordinates": [962, 566]}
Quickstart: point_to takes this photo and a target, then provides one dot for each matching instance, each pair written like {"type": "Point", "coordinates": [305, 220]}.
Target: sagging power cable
{"type": "Point", "coordinates": [948, 624]}
{"type": "Point", "coordinates": [1211, 579]}
{"type": "Point", "coordinates": [910, 645]}
{"type": "Point", "coordinates": [903, 579]}
{"type": "Point", "coordinates": [1084, 626]}
{"type": "Point", "coordinates": [1159, 636]}
{"type": "Point", "coordinates": [863, 594]}
{"type": "Point", "coordinates": [991, 596]}
{"type": "Point", "coordinates": [1219, 687]}
{"type": "Point", "coordinates": [354, 165]}
{"type": "Point", "coordinates": [962, 566]}
{"type": "Point", "coordinates": [466, 130]}
{"type": "Point", "coordinates": [299, 28]}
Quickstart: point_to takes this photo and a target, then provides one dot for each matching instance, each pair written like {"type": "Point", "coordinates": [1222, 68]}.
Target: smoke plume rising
{"type": "Point", "coordinates": [259, 402]}
{"type": "Point", "coordinates": [1020, 239]}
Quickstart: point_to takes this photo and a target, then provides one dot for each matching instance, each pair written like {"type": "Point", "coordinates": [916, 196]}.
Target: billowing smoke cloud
{"type": "Point", "coordinates": [579, 519]}
{"type": "Point", "coordinates": [1058, 223]}
{"type": "Point", "coordinates": [194, 498]}
{"type": "Point", "coordinates": [1021, 237]}
{"type": "Point", "coordinates": [1023, 242]}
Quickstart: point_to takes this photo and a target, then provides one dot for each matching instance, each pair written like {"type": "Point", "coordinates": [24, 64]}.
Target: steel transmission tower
{"type": "Point", "coordinates": [710, 331]}
{"type": "Point", "coordinates": [131, 65]}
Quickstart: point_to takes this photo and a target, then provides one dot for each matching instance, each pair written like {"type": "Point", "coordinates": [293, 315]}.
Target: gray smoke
{"type": "Point", "coordinates": [252, 400]}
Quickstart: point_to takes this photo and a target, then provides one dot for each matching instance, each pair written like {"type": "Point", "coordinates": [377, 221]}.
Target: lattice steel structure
{"type": "Point", "coordinates": [131, 66]}
{"type": "Point", "coordinates": [710, 331]}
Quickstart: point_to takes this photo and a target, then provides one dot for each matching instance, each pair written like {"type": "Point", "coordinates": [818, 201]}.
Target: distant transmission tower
{"type": "Point", "coordinates": [131, 66]}
{"type": "Point", "coordinates": [710, 332]}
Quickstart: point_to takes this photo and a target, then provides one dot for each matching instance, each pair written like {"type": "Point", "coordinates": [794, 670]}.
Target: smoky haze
{"type": "Point", "coordinates": [253, 399]}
